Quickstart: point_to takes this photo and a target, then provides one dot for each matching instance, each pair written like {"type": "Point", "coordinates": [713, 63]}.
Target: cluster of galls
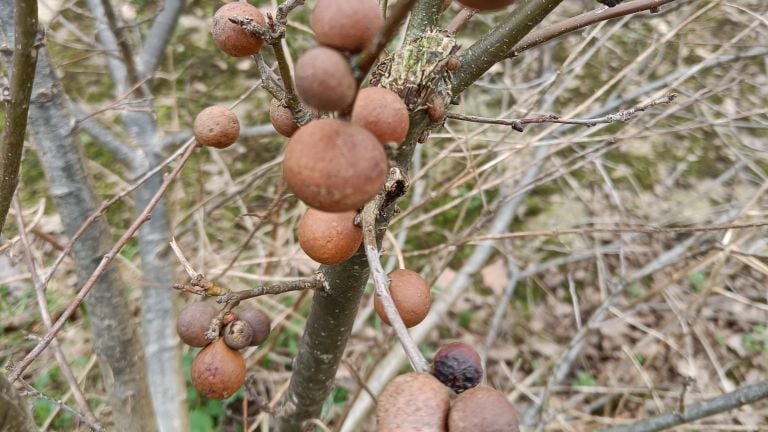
{"type": "Point", "coordinates": [422, 402]}
{"type": "Point", "coordinates": [218, 370]}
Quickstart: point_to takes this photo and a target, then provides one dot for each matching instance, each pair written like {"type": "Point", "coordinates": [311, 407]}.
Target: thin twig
{"type": "Point", "coordinates": [291, 99]}
{"type": "Point", "coordinates": [285, 8]}
{"type": "Point", "coordinates": [460, 19]}
{"type": "Point", "coordinates": [183, 260]}
{"type": "Point", "coordinates": [61, 359]}
{"type": "Point", "coordinates": [519, 124]}
{"type": "Point", "coordinates": [106, 260]}
{"type": "Point", "coordinates": [549, 32]}
{"type": "Point", "coordinates": [742, 396]}
{"type": "Point", "coordinates": [381, 286]}
{"type": "Point", "coordinates": [33, 392]}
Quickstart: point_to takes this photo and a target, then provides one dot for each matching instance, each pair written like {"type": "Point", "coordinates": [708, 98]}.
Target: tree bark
{"type": "Point", "coordinates": [115, 331]}
{"type": "Point", "coordinates": [17, 101]}
{"type": "Point", "coordinates": [161, 344]}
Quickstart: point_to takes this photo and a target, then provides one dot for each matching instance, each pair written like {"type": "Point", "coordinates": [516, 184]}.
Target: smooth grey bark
{"type": "Point", "coordinates": [15, 415]}
{"type": "Point", "coordinates": [161, 343]}
{"type": "Point", "coordinates": [115, 332]}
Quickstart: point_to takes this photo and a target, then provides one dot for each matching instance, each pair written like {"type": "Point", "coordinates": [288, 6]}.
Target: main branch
{"type": "Point", "coordinates": [17, 99]}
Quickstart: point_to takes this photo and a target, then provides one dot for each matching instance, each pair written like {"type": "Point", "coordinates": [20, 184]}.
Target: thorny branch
{"type": "Point", "coordinates": [519, 124]}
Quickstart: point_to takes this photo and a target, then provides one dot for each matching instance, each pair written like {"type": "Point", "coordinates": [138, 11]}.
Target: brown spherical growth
{"type": "Point", "coordinates": [410, 294]}
{"type": "Point", "coordinates": [413, 402]}
{"type": "Point", "coordinates": [230, 37]}
{"type": "Point", "coordinates": [193, 321]}
{"type": "Point", "coordinates": [259, 322]}
{"type": "Point", "coordinates": [329, 238]}
{"type": "Point", "coordinates": [486, 4]}
{"type": "Point", "coordinates": [347, 25]}
{"type": "Point", "coordinates": [436, 109]}
{"type": "Point", "coordinates": [324, 80]}
{"type": "Point", "coordinates": [483, 409]}
{"type": "Point", "coordinates": [452, 64]}
{"type": "Point", "coordinates": [216, 126]}
{"type": "Point", "coordinates": [458, 366]}
{"type": "Point", "coordinates": [238, 334]}
{"type": "Point", "coordinates": [218, 371]}
{"type": "Point", "coordinates": [382, 112]}
{"type": "Point", "coordinates": [282, 118]}
{"type": "Point", "coordinates": [334, 166]}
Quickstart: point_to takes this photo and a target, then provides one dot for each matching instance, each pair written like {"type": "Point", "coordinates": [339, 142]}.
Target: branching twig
{"type": "Point", "coordinates": [33, 392]}
{"type": "Point", "coordinates": [381, 286]}
{"type": "Point", "coordinates": [519, 124]}
{"type": "Point", "coordinates": [106, 260]}
{"type": "Point", "coordinates": [737, 398]}
{"type": "Point", "coordinates": [66, 371]}
{"type": "Point", "coordinates": [285, 8]}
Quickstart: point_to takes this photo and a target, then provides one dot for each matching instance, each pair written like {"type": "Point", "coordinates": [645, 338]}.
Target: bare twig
{"type": "Point", "coordinates": [183, 260]}
{"type": "Point", "coordinates": [291, 99]}
{"type": "Point", "coordinates": [16, 98]}
{"type": "Point", "coordinates": [737, 398]}
{"type": "Point", "coordinates": [106, 260]}
{"type": "Point", "coordinates": [82, 403]}
{"type": "Point", "coordinates": [31, 391]}
{"type": "Point", "coordinates": [460, 19]}
{"type": "Point", "coordinates": [381, 286]}
{"type": "Point", "coordinates": [519, 124]}
{"type": "Point", "coordinates": [547, 33]}
{"type": "Point", "coordinates": [285, 8]}
{"type": "Point", "coordinates": [494, 46]}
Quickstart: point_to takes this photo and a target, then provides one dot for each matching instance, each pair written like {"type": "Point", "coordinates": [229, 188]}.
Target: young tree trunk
{"type": "Point", "coordinates": [316, 364]}
{"type": "Point", "coordinates": [14, 413]}
{"type": "Point", "coordinates": [115, 331]}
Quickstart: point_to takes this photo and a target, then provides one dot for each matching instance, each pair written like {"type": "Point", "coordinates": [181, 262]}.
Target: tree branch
{"type": "Point", "coordinates": [17, 98]}
{"type": "Point", "coordinates": [545, 34]}
{"type": "Point", "coordinates": [381, 285]}
{"type": "Point", "coordinates": [425, 15]}
{"type": "Point", "coordinates": [493, 47]}
{"type": "Point", "coordinates": [158, 37]}
{"type": "Point", "coordinates": [519, 124]}
{"type": "Point", "coordinates": [742, 396]}
{"type": "Point", "coordinates": [106, 260]}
